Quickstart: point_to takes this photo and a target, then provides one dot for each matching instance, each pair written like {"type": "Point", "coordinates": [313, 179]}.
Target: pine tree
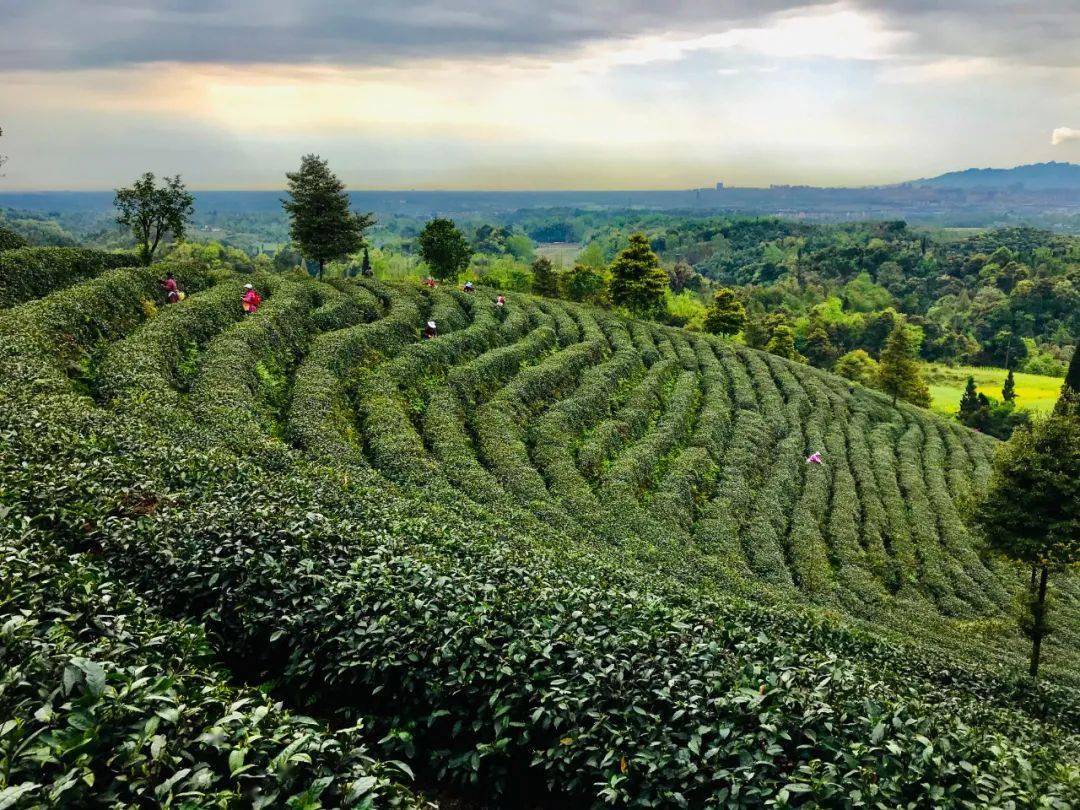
{"type": "Point", "coordinates": [1031, 510]}
{"type": "Point", "coordinates": [899, 374]}
{"type": "Point", "coordinates": [1008, 390]}
{"type": "Point", "coordinates": [969, 402]}
{"type": "Point", "coordinates": [365, 267]}
{"type": "Point", "coordinates": [782, 344]}
{"type": "Point", "coordinates": [321, 224]}
{"type": "Point", "coordinates": [545, 277]}
{"type": "Point", "coordinates": [444, 248]}
{"type": "Point", "coordinates": [1070, 389]}
{"type": "Point", "coordinates": [726, 316]}
{"type": "Point", "coordinates": [638, 281]}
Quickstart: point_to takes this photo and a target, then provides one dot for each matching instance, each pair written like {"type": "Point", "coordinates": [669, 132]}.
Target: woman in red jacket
{"type": "Point", "coordinates": [251, 300]}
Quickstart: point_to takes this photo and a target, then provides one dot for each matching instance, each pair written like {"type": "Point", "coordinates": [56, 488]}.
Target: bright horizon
{"type": "Point", "coordinates": [515, 96]}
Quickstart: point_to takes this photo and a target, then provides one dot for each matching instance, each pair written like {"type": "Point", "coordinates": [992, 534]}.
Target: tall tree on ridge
{"type": "Point", "coordinates": [152, 213]}
{"type": "Point", "coordinates": [727, 315]}
{"type": "Point", "coordinates": [1008, 390]}
{"type": "Point", "coordinates": [444, 248]}
{"type": "Point", "coordinates": [321, 224]}
{"type": "Point", "coordinates": [969, 402]}
{"type": "Point", "coordinates": [1031, 510]}
{"type": "Point", "coordinates": [545, 277]}
{"type": "Point", "coordinates": [637, 279]}
{"type": "Point", "coordinates": [899, 373]}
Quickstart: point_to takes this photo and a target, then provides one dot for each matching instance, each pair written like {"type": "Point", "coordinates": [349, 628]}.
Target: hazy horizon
{"type": "Point", "coordinates": [516, 96]}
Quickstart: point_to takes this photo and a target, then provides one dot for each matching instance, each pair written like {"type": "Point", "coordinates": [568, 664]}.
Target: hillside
{"type": "Point", "coordinates": [1051, 176]}
{"type": "Point", "coordinates": [551, 554]}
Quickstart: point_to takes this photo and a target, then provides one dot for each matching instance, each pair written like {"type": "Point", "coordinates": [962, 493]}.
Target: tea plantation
{"type": "Point", "coordinates": [551, 558]}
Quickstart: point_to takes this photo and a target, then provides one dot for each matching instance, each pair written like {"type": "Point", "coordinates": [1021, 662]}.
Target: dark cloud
{"type": "Point", "coordinates": [95, 33]}
{"type": "Point", "coordinates": [1040, 32]}
{"type": "Point", "coordinates": [66, 34]}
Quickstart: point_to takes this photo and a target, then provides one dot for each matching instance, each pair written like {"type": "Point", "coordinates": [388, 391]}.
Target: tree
{"type": "Point", "coordinates": [588, 284]}
{"type": "Point", "coordinates": [153, 213]}
{"type": "Point", "coordinates": [365, 265]}
{"type": "Point", "coordinates": [637, 279]}
{"type": "Point", "coordinates": [321, 224]}
{"type": "Point", "coordinates": [726, 316]}
{"type": "Point", "coordinates": [1031, 510]}
{"type": "Point", "coordinates": [969, 402]}
{"type": "Point", "coordinates": [682, 277]}
{"type": "Point", "coordinates": [545, 277]}
{"type": "Point", "coordinates": [899, 374]}
{"type": "Point", "coordinates": [1070, 389]}
{"type": "Point", "coordinates": [444, 248]}
{"type": "Point", "coordinates": [859, 366]}
{"type": "Point", "coordinates": [818, 349]}
{"type": "Point", "coordinates": [1008, 390]}
{"type": "Point", "coordinates": [782, 344]}
{"type": "Point", "coordinates": [756, 333]}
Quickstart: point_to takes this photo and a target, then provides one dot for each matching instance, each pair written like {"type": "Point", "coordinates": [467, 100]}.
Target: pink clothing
{"type": "Point", "coordinates": [814, 458]}
{"type": "Point", "coordinates": [172, 292]}
{"type": "Point", "coordinates": [251, 302]}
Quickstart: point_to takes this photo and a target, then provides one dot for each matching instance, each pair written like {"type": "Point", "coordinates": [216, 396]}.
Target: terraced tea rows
{"type": "Point", "coordinates": [513, 549]}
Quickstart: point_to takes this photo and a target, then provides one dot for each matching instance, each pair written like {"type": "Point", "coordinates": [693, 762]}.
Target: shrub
{"type": "Point", "coordinates": [29, 273]}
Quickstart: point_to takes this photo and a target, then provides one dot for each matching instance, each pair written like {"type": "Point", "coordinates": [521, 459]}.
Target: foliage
{"type": "Point", "coordinates": [104, 702]}
{"type": "Point", "coordinates": [817, 347]}
{"type": "Point", "coordinates": [587, 284]}
{"type": "Point", "coordinates": [685, 310]}
{"type": "Point", "coordinates": [444, 248]}
{"type": "Point", "coordinates": [9, 240]}
{"type": "Point", "coordinates": [1031, 511]}
{"type": "Point", "coordinates": [153, 213]}
{"type": "Point", "coordinates": [502, 272]}
{"type": "Point", "coordinates": [546, 279]}
{"type": "Point", "coordinates": [782, 343]}
{"type": "Point", "coordinates": [726, 315]}
{"type": "Point", "coordinates": [858, 366]}
{"type": "Point", "coordinates": [994, 418]}
{"type": "Point", "coordinates": [1008, 390]}
{"type": "Point", "coordinates": [28, 273]}
{"type": "Point", "coordinates": [320, 222]}
{"type": "Point", "coordinates": [637, 279]}
{"type": "Point", "coordinates": [899, 374]}
{"type": "Point", "coordinates": [517, 551]}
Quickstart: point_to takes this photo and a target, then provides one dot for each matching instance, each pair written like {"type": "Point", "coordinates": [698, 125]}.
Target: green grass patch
{"type": "Point", "coordinates": [1035, 392]}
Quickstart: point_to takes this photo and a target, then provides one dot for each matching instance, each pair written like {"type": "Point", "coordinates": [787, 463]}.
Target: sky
{"type": "Point", "coordinates": [523, 94]}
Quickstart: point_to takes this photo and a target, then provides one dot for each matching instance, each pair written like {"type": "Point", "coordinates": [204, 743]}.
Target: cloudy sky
{"type": "Point", "coordinates": [512, 94]}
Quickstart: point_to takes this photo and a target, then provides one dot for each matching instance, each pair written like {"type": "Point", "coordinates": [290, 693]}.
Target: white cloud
{"type": "Point", "coordinates": [836, 31]}
{"type": "Point", "coordinates": [1063, 134]}
{"type": "Point", "coordinates": [953, 69]}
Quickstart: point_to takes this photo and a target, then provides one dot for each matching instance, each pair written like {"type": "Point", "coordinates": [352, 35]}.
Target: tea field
{"type": "Point", "coordinates": [553, 557]}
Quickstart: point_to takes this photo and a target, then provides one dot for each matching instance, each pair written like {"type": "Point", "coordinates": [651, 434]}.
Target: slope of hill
{"type": "Point", "coordinates": [1050, 176]}
{"type": "Point", "coordinates": [550, 553]}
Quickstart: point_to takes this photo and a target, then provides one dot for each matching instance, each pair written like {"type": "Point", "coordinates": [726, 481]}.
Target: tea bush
{"type": "Point", "coordinates": [27, 273]}
{"type": "Point", "coordinates": [551, 552]}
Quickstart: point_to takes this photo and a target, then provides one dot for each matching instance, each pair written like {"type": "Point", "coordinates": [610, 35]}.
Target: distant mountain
{"type": "Point", "coordinates": [1032, 177]}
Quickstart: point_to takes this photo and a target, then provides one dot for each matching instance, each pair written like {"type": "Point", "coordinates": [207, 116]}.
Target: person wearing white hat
{"type": "Point", "coordinates": [251, 299]}
{"type": "Point", "coordinates": [429, 330]}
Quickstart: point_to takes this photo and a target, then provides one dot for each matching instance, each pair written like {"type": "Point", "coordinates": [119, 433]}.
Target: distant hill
{"type": "Point", "coordinates": [1032, 177]}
